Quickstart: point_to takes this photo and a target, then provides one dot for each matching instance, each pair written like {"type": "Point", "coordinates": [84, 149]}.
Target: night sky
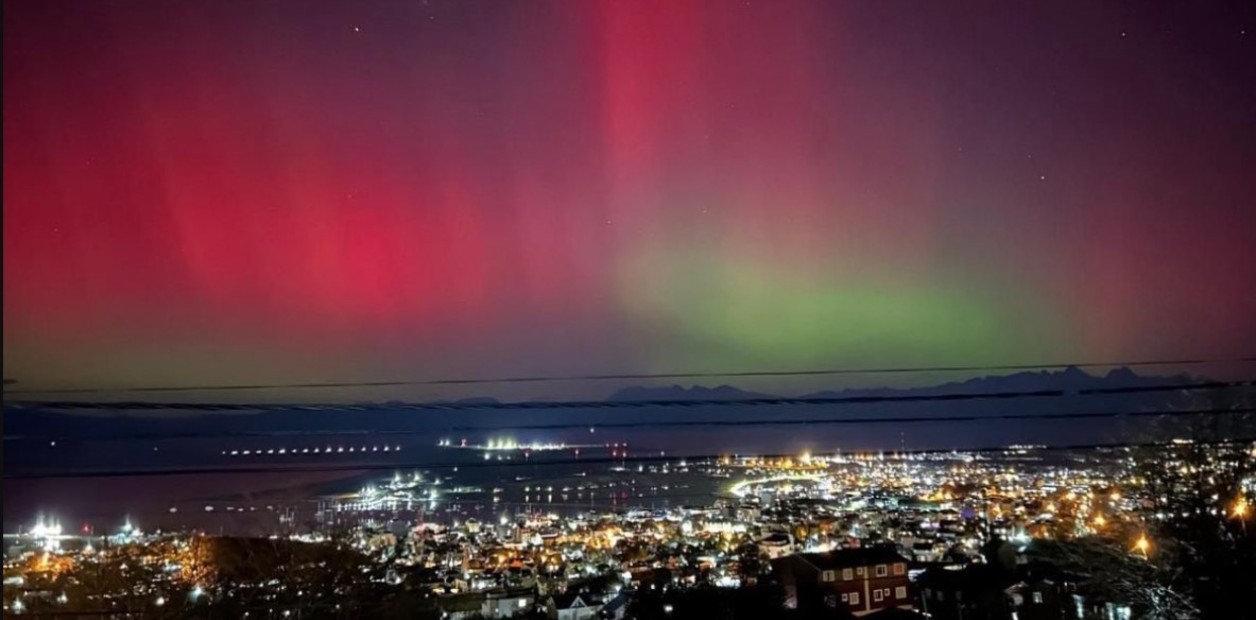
{"type": "Point", "coordinates": [222, 192]}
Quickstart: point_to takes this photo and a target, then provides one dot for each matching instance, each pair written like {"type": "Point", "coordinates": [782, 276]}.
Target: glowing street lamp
{"type": "Point", "coordinates": [1142, 545]}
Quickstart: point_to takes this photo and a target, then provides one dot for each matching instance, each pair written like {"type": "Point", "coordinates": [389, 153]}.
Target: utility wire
{"type": "Point", "coordinates": [629, 404]}
{"type": "Point", "coordinates": [361, 467]}
{"type": "Point", "coordinates": [630, 376]}
{"type": "Point", "coordinates": [629, 425]}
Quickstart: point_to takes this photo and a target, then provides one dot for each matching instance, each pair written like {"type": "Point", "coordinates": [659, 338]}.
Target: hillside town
{"type": "Point", "coordinates": [944, 535]}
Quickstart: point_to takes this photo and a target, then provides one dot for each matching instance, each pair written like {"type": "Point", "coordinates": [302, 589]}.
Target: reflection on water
{"type": "Point", "coordinates": [259, 495]}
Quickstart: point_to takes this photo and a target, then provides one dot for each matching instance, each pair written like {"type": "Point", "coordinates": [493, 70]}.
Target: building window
{"type": "Point", "coordinates": [881, 570]}
{"type": "Point", "coordinates": [830, 600]}
{"type": "Point", "coordinates": [941, 595]}
{"type": "Point", "coordinates": [899, 568]}
{"type": "Point", "coordinates": [1037, 597]}
{"type": "Point", "coordinates": [900, 592]}
{"type": "Point", "coordinates": [844, 597]}
{"type": "Point", "coordinates": [854, 598]}
{"type": "Point", "coordinates": [828, 575]}
{"type": "Point", "coordinates": [847, 574]}
{"type": "Point", "coordinates": [876, 595]}
{"type": "Point", "coordinates": [860, 570]}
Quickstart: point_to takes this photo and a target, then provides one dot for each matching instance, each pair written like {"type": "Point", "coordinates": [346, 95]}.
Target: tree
{"type": "Point", "coordinates": [1153, 588]}
{"type": "Point", "coordinates": [1197, 493]}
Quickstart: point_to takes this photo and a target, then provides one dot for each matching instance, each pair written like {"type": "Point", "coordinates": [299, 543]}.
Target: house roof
{"type": "Point", "coordinates": [462, 602]}
{"type": "Point", "coordinates": [894, 613]}
{"type": "Point", "coordinates": [620, 600]}
{"type": "Point", "coordinates": [971, 577]}
{"type": "Point", "coordinates": [569, 600]}
{"type": "Point", "coordinates": [850, 558]}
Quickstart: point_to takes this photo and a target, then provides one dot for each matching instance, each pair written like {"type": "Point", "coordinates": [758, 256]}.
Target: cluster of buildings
{"type": "Point", "coordinates": [945, 536]}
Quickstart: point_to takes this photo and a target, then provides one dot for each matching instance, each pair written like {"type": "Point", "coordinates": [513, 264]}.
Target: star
{"type": "Point", "coordinates": [356, 29]}
{"type": "Point", "coordinates": [1123, 34]}
{"type": "Point", "coordinates": [1042, 178]}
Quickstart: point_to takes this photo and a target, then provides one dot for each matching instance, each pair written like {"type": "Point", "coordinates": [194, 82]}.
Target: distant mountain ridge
{"type": "Point", "coordinates": [638, 393]}
{"type": "Point", "coordinates": [49, 422]}
{"type": "Point", "coordinates": [1071, 378]}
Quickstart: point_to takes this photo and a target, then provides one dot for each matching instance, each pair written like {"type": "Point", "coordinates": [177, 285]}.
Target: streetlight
{"type": "Point", "coordinates": [1239, 511]}
{"type": "Point", "coordinates": [1142, 545]}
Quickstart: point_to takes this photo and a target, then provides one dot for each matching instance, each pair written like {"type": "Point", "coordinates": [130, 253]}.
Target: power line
{"type": "Point", "coordinates": [664, 424]}
{"type": "Point", "coordinates": [630, 404]}
{"type": "Point", "coordinates": [632, 376]}
{"type": "Point", "coordinates": [362, 467]}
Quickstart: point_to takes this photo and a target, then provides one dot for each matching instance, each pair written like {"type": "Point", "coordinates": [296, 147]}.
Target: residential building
{"type": "Point", "coordinates": [861, 580]}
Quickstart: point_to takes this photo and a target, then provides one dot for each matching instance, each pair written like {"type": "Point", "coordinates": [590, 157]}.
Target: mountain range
{"type": "Point", "coordinates": [33, 420]}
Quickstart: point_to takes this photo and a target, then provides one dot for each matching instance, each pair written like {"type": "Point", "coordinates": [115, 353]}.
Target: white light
{"type": "Point", "coordinates": [161, 600]}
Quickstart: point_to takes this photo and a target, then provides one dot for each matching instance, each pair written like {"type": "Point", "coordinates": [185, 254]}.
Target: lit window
{"type": "Point", "coordinates": [881, 570]}
{"type": "Point", "coordinates": [844, 597]}
{"type": "Point", "coordinates": [900, 592]}
{"type": "Point", "coordinates": [899, 568]}
{"type": "Point", "coordinates": [854, 598]}
{"type": "Point", "coordinates": [848, 574]}
{"type": "Point", "coordinates": [828, 575]}
{"type": "Point", "coordinates": [876, 595]}
{"type": "Point", "coordinates": [1037, 597]}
